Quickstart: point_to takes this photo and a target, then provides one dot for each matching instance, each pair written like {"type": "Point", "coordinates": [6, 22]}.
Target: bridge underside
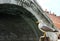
{"type": "Point", "coordinates": [16, 23]}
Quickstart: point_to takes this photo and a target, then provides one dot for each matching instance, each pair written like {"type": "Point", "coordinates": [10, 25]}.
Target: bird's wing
{"type": "Point", "coordinates": [45, 28]}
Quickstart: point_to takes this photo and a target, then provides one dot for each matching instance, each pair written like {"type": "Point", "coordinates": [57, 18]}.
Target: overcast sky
{"type": "Point", "coordinates": [50, 5]}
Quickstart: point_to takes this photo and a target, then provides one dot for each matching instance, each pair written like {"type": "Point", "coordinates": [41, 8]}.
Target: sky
{"type": "Point", "coordinates": [50, 5]}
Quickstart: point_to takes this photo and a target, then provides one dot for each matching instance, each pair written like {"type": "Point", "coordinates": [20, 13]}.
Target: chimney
{"type": "Point", "coordinates": [46, 11]}
{"type": "Point", "coordinates": [53, 14]}
{"type": "Point", "coordinates": [50, 12]}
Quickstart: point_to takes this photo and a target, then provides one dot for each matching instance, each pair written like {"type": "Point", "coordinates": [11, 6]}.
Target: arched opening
{"type": "Point", "coordinates": [16, 23]}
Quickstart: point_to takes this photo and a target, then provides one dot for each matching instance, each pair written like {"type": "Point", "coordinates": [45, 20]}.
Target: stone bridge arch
{"type": "Point", "coordinates": [18, 21]}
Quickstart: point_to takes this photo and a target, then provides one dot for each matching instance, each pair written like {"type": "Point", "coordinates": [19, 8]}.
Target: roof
{"type": "Point", "coordinates": [55, 19]}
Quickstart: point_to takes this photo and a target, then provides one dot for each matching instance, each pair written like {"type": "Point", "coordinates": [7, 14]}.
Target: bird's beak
{"type": "Point", "coordinates": [37, 22]}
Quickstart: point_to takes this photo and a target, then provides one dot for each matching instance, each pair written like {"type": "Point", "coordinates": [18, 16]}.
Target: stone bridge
{"type": "Point", "coordinates": [18, 20]}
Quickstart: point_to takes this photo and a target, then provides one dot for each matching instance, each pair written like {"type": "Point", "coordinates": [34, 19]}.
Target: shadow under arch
{"type": "Point", "coordinates": [17, 23]}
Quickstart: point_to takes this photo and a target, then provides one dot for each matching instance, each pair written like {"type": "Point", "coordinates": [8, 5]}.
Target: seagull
{"type": "Point", "coordinates": [45, 28]}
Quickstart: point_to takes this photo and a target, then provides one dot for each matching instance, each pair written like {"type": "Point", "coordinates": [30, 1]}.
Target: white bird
{"type": "Point", "coordinates": [44, 28]}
